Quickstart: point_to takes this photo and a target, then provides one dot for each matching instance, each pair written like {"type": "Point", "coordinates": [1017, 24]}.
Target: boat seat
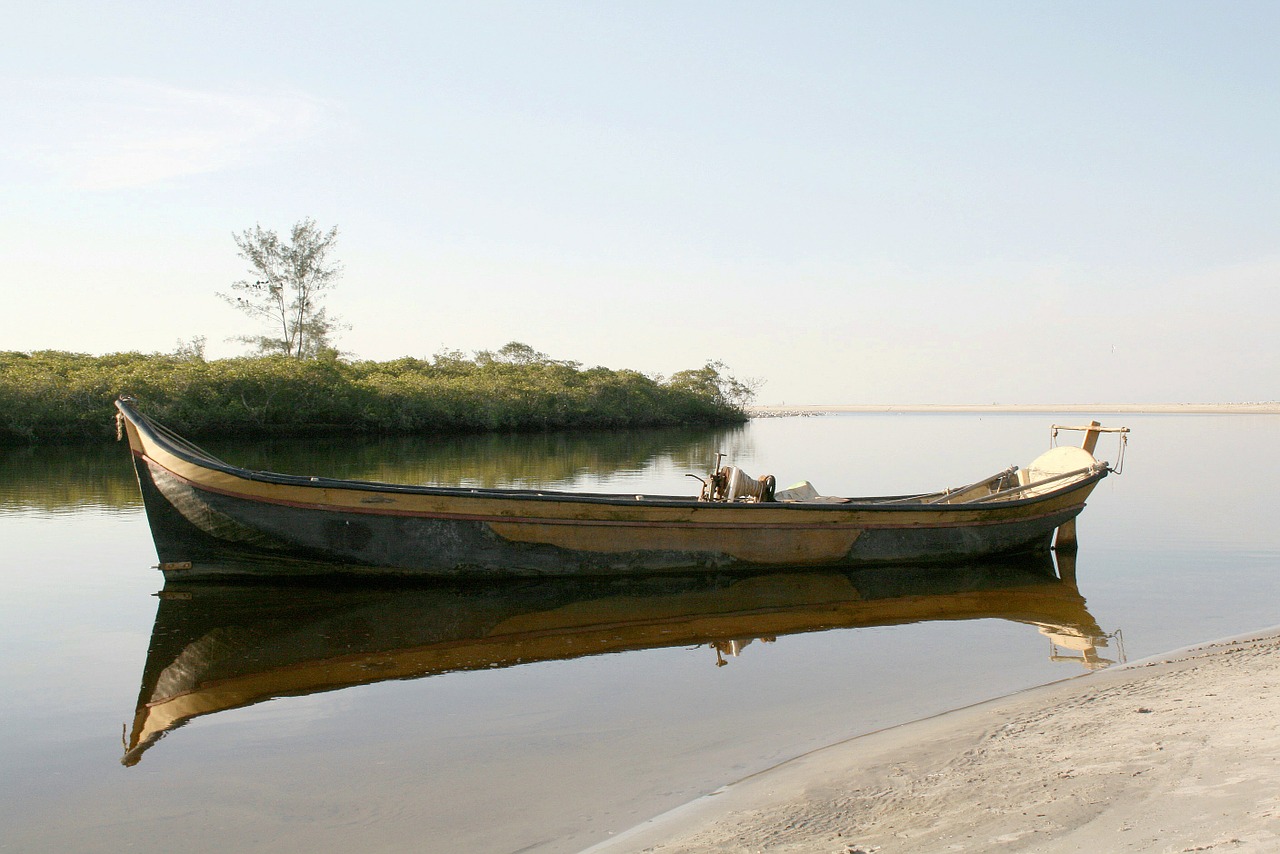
{"type": "Point", "coordinates": [1055, 467]}
{"type": "Point", "coordinates": [804, 492]}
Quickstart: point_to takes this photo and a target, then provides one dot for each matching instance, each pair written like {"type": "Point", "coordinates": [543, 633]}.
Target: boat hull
{"type": "Point", "coordinates": [204, 513]}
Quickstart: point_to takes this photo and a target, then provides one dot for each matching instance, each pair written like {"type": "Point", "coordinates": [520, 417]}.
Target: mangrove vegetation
{"type": "Point", "coordinates": [57, 396]}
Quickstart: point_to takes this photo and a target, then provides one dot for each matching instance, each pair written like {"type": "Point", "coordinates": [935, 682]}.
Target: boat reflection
{"type": "Point", "coordinates": [219, 647]}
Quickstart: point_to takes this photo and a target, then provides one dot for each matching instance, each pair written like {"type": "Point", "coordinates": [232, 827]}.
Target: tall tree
{"type": "Point", "coordinates": [289, 280]}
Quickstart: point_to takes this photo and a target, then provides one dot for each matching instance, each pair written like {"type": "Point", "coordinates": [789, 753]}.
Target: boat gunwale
{"type": "Point", "coordinates": [202, 459]}
{"type": "Point", "coordinates": [988, 517]}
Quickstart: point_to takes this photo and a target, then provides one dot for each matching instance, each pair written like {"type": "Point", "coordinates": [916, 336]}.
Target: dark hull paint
{"type": "Point", "coordinates": [360, 543]}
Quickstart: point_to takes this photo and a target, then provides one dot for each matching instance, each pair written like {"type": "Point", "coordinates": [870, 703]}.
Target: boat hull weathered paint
{"type": "Point", "coordinates": [203, 511]}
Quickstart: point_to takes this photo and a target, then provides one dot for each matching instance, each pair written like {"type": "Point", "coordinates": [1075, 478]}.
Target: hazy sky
{"type": "Point", "coordinates": [853, 201]}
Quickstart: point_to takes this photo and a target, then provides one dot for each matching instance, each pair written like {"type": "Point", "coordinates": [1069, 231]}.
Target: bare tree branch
{"type": "Point", "coordinates": [287, 286]}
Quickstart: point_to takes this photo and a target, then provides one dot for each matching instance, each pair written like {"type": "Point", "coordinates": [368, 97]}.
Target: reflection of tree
{"type": "Point", "coordinates": [66, 477]}
{"type": "Point", "coordinates": [63, 478]}
{"type": "Point", "coordinates": [551, 460]}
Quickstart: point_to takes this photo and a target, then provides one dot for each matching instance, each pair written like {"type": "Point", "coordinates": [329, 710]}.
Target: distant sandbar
{"type": "Point", "coordinates": [1269, 408]}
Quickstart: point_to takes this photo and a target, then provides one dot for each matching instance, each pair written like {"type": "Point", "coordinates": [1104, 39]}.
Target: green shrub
{"type": "Point", "coordinates": [52, 395]}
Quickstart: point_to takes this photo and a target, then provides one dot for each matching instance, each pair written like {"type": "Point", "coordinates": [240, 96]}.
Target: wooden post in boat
{"type": "Point", "coordinates": [1067, 563]}
{"type": "Point", "coordinates": [1091, 437]}
{"type": "Point", "coordinates": [1066, 539]}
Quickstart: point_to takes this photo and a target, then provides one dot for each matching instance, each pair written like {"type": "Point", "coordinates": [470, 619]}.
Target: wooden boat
{"type": "Point", "coordinates": [223, 646]}
{"type": "Point", "coordinates": [210, 518]}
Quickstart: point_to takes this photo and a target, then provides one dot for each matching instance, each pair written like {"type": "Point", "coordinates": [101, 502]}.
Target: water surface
{"type": "Point", "coordinates": [464, 719]}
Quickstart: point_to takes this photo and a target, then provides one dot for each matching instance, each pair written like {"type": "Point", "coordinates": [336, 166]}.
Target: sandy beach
{"type": "Point", "coordinates": [1172, 754]}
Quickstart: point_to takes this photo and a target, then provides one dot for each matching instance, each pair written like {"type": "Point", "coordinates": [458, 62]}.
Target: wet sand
{"type": "Point", "coordinates": [1171, 754]}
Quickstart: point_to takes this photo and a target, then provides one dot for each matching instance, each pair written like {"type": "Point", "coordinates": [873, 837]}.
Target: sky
{"type": "Point", "coordinates": [850, 202]}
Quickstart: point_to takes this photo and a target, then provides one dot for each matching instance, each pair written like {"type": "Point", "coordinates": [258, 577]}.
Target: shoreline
{"type": "Point", "coordinates": [1175, 752]}
{"type": "Point", "coordinates": [780, 410]}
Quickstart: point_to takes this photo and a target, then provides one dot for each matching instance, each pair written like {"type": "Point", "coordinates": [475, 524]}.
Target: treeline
{"type": "Point", "coordinates": [60, 396]}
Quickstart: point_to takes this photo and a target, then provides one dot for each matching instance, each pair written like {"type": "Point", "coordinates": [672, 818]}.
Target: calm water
{"type": "Point", "coordinates": [553, 755]}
